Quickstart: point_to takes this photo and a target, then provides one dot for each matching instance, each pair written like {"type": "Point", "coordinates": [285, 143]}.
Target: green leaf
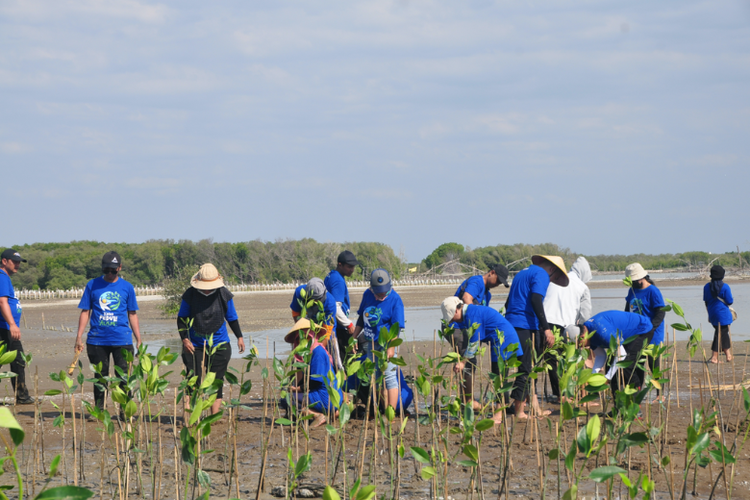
{"type": "Point", "coordinates": [427, 473]}
{"type": "Point", "coordinates": [701, 443]}
{"type": "Point", "coordinates": [570, 458]}
{"type": "Point", "coordinates": [593, 427]}
{"type": "Point", "coordinates": [17, 436]}
{"type": "Point", "coordinates": [330, 494]}
{"type": "Point", "coordinates": [53, 392]}
{"type": "Point", "coordinates": [204, 479]}
{"type": "Point", "coordinates": [746, 399]}
{"type": "Point", "coordinates": [584, 445]}
{"type": "Point", "coordinates": [283, 421]}
{"type": "Point", "coordinates": [8, 358]}
{"type": "Point", "coordinates": [721, 454]}
{"type": "Point", "coordinates": [554, 453]}
{"type": "Point", "coordinates": [420, 455]}
{"type": "Point", "coordinates": [7, 420]}
{"type": "Point", "coordinates": [366, 493]}
{"type": "Point", "coordinates": [130, 409]}
{"type": "Point", "coordinates": [601, 474]}
{"type": "Point", "coordinates": [53, 466]}
{"type": "Point", "coordinates": [485, 424]}
{"type": "Point", "coordinates": [471, 451]}
{"type": "Point", "coordinates": [467, 463]}
{"type": "Point", "coordinates": [680, 327]}
{"type": "Point", "coordinates": [597, 380]}
{"type": "Point", "coordinates": [303, 464]}
{"type": "Point", "coordinates": [572, 493]}
{"type": "Point", "coordinates": [65, 493]}
{"type": "Point", "coordinates": [208, 381]}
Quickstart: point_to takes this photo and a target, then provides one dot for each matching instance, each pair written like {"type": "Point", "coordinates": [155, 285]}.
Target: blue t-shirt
{"type": "Point", "coordinates": [608, 323]}
{"type": "Point", "coordinates": [336, 286]}
{"type": "Point", "coordinates": [109, 304]}
{"type": "Point", "coordinates": [7, 290]}
{"type": "Point", "coordinates": [718, 312]}
{"type": "Point", "coordinates": [221, 334]}
{"type": "Point", "coordinates": [474, 286]}
{"type": "Point", "coordinates": [320, 367]}
{"type": "Point", "coordinates": [520, 314]}
{"type": "Point", "coordinates": [377, 314]}
{"type": "Point", "coordinates": [648, 301]}
{"type": "Point", "coordinates": [329, 305]}
{"type": "Point", "coordinates": [489, 322]}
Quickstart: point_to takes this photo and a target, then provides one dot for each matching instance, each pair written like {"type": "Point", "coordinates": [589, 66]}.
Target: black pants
{"type": "Point", "coordinates": [18, 366]}
{"type": "Point", "coordinates": [521, 384]}
{"type": "Point", "coordinates": [631, 375]}
{"type": "Point", "coordinates": [216, 363]}
{"type": "Point", "coordinates": [342, 340]}
{"type": "Point", "coordinates": [100, 354]}
{"type": "Point", "coordinates": [726, 342]}
{"type": "Point", "coordinates": [551, 360]}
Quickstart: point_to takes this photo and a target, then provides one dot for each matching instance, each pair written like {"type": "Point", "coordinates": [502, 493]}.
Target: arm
{"type": "Point", "coordinates": [537, 304]}
{"type": "Point", "coordinates": [235, 326]}
{"type": "Point", "coordinates": [15, 332]}
{"type": "Point", "coordinates": [466, 298]}
{"type": "Point", "coordinates": [658, 318]}
{"type": "Point", "coordinates": [184, 331]}
{"type": "Point", "coordinates": [627, 306]}
{"type": "Point", "coordinates": [133, 318]}
{"type": "Point", "coordinates": [343, 319]}
{"type": "Point", "coordinates": [83, 320]}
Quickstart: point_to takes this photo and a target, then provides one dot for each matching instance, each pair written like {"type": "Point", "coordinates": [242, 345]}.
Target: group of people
{"type": "Point", "coordinates": [546, 306]}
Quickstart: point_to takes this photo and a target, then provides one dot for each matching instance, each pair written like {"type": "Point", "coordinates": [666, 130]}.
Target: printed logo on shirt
{"type": "Point", "coordinates": [636, 306]}
{"type": "Point", "coordinates": [109, 302]}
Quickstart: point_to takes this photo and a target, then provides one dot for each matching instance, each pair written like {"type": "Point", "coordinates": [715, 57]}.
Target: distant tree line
{"type": "Point", "coordinates": [483, 258]}
{"type": "Point", "coordinates": [60, 266]}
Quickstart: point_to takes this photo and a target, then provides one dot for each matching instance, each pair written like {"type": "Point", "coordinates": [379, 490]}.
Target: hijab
{"type": "Point", "coordinates": [717, 280]}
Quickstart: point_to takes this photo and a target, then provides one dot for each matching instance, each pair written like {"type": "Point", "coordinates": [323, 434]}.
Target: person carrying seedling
{"type": "Point", "coordinates": [645, 298]}
{"type": "Point", "coordinates": [524, 309]}
{"type": "Point", "coordinates": [10, 321]}
{"type": "Point", "coordinates": [205, 309]}
{"type": "Point", "coordinates": [476, 289]}
{"type": "Point", "coordinates": [490, 326]}
{"type": "Point", "coordinates": [381, 307]}
{"type": "Point", "coordinates": [109, 303]}
{"type": "Point", "coordinates": [315, 292]}
{"type": "Point", "coordinates": [318, 402]}
{"type": "Point", "coordinates": [336, 286]}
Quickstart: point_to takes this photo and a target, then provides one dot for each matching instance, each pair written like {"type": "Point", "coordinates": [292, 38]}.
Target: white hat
{"type": "Point", "coordinates": [207, 278]}
{"type": "Point", "coordinates": [635, 272]}
{"type": "Point", "coordinates": [449, 307]}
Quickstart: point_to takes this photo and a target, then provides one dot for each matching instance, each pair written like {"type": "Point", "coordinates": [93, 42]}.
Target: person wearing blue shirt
{"type": "Point", "coordinates": [335, 283]}
{"type": "Point", "coordinates": [109, 305]}
{"type": "Point", "coordinates": [205, 309]}
{"type": "Point", "coordinates": [621, 325]}
{"type": "Point", "coordinates": [10, 321]}
{"type": "Point", "coordinates": [490, 326]}
{"type": "Point", "coordinates": [524, 309]}
{"type": "Point", "coordinates": [645, 298]}
{"type": "Point", "coordinates": [322, 379]}
{"type": "Point", "coordinates": [718, 297]}
{"type": "Point", "coordinates": [476, 289]}
{"type": "Point", "coordinates": [315, 291]}
{"type": "Point", "coordinates": [381, 307]}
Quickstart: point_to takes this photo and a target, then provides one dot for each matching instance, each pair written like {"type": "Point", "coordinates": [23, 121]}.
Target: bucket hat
{"type": "Point", "coordinates": [635, 272]}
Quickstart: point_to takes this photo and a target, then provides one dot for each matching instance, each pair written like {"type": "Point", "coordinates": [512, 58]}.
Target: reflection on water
{"type": "Point", "coordinates": [421, 322]}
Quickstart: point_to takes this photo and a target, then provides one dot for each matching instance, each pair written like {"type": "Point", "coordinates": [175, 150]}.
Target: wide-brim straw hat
{"type": "Point", "coordinates": [207, 278]}
{"type": "Point", "coordinates": [560, 279]}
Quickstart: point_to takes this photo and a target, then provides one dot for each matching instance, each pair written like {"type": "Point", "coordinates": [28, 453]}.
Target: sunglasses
{"type": "Point", "coordinates": [109, 271]}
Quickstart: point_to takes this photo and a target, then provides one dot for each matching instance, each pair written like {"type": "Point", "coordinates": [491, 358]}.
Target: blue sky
{"type": "Point", "coordinates": [606, 127]}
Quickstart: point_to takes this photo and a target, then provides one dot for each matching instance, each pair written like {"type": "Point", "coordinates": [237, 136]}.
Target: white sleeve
{"type": "Point", "coordinates": [341, 318]}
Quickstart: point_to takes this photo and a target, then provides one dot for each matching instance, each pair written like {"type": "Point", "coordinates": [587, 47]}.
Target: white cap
{"type": "Point", "coordinates": [635, 272]}
{"type": "Point", "coordinates": [449, 307]}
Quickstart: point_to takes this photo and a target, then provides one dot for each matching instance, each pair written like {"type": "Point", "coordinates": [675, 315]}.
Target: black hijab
{"type": "Point", "coordinates": [717, 277]}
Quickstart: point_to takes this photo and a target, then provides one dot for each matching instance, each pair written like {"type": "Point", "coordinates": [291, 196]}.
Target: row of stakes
{"type": "Point", "coordinates": [62, 328]}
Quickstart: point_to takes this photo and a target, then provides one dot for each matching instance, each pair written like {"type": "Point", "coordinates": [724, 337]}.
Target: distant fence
{"type": "Point", "coordinates": [140, 291]}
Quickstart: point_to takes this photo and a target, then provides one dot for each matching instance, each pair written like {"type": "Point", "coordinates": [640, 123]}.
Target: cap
{"type": "Point", "coordinates": [635, 271]}
{"type": "Point", "coordinates": [346, 257]}
{"type": "Point", "coordinates": [111, 259]}
{"type": "Point", "coordinates": [502, 274]}
{"type": "Point", "coordinates": [315, 289]}
{"type": "Point", "coordinates": [449, 306]}
{"type": "Point", "coordinates": [380, 281]}
{"type": "Point", "coordinates": [12, 255]}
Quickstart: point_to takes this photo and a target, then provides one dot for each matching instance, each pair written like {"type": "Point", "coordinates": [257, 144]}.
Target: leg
{"type": "Point", "coordinates": [218, 364]}
{"type": "Point", "coordinates": [520, 385]}
{"type": "Point", "coordinates": [391, 395]}
{"type": "Point", "coordinates": [726, 342]}
{"type": "Point", "coordinates": [119, 358]}
{"type": "Point", "coordinates": [633, 374]}
{"type": "Point", "coordinates": [193, 368]}
{"type": "Point", "coordinates": [715, 346]}
{"type": "Point", "coordinates": [342, 340]}
{"type": "Point", "coordinates": [99, 354]}
{"type": "Point", "coordinates": [18, 366]}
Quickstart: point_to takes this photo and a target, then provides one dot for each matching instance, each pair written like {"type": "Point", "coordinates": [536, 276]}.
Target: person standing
{"type": "Point", "coordinates": [646, 299]}
{"type": "Point", "coordinates": [10, 320]}
{"type": "Point", "coordinates": [718, 297]}
{"type": "Point", "coordinates": [205, 309]}
{"type": "Point", "coordinates": [524, 309]}
{"type": "Point", "coordinates": [565, 306]}
{"type": "Point", "coordinates": [476, 289]}
{"type": "Point", "coordinates": [336, 286]}
{"type": "Point", "coordinates": [109, 303]}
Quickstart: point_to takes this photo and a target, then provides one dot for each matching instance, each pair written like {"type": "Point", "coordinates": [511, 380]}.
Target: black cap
{"type": "Point", "coordinates": [12, 255]}
{"type": "Point", "coordinates": [112, 260]}
{"type": "Point", "coordinates": [502, 274]}
{"type": "Point", "coordinates": [346, 257]}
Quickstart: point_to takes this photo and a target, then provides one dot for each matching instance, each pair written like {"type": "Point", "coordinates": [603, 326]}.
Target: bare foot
{"type": "Point", "coordinates": [659, 399]}
{"type": "Point", "coordinates": [714, 361]}
{"type": "Point", "coordinates": [319, 420]}
{"type": "Point", "coordinates": [522, 416]}
{"type": "Point", "coordinates": [476, 405]}
{"type": "Point", "coordinates": [729, 358]}
{"type": "Point", "coordinates": [498, 417]}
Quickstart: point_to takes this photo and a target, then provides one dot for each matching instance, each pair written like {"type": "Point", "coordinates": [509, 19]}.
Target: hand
{"type": "Point", "coordinates": [79, 345]}
{"type": "Point", "coordinates": [15, 333]}
{"type": "Point", "coordinates": [241, 344]}
{"type": "Point", "coordinates": [138, 343]}
{"type": "Point", "coordinates": [351, 328]}
{"type": "Point", "coordinates": [550, 337]}
{"type": "Point", "coordinates": [188, 346]}
{"type": "Point", "coordinates": [458, 367]}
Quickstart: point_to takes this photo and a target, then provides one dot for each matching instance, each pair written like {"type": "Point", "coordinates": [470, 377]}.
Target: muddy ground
{"type": "Point", "coordinates": [52, 351]}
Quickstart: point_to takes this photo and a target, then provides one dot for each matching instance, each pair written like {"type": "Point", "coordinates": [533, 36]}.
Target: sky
{"type": "Point", "coordinates": [605, 127]}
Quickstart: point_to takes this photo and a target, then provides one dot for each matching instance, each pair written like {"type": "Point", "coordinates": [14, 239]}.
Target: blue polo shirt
{"type": "Point", "coordinates": [647, 302]}
{"type": "Point", "coordinates": [607, 324]}
{"type": "Point", "coordinates": [7, 290]}
{"type": "Point", "coordinates": [520, 314]}
{"type": "Point", "coordinates": [378, 314]}
{"type": "Point", "coordinates": [329, 305]}
{"type": "Point", "coordinates": [474, 286]}
{"type": "Point", "coordinates": [336, 286]}
{"type": "Point", "coordinates": [718, 313]}
{"type": "Point", "coordinates": [109, 304]}
{"type": "Point", "coordinates": [320, 369]}
{"type": "Point", "coordinates": [489, 322]}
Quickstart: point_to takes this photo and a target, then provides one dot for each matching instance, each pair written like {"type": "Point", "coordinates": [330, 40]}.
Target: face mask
{"type": "Point", "coordinates": [638, 285]}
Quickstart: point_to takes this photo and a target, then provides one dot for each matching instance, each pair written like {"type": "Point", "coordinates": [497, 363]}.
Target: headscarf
{"type": "Point", "coordinates": [717, 280]}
